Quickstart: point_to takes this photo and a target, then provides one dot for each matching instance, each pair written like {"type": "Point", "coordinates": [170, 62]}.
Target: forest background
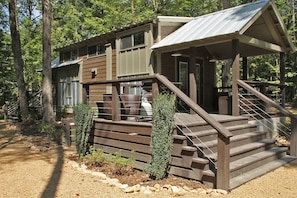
{"type": "Point", "coordinates": [76, 20]}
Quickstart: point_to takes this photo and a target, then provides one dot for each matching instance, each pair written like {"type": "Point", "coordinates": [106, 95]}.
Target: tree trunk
{"type": "Point", "coordinates": [18, 61]}
{"type": "Point", "coordinates": [47, 99]}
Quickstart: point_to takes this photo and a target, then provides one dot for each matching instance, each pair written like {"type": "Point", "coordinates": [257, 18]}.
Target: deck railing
{"type": "Point", "coordinates": [256, 109]}
{"type": "Point", "coordinates": [157, 81]}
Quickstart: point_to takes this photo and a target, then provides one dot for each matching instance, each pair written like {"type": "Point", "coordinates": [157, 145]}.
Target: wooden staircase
{"type": "Point", "coordinates": [251, 153]}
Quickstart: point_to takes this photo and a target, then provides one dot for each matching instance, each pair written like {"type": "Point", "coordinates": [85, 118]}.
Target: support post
{"type": "Point", "coordinates": [85, 94]}
{"type": "Point", "coordinates": [293, 138]}
{"type": "Point", "coordinates": [245, 69]}
{"type": "Point", "coordinates": [235, 77]}
{"type": "Point", "coordinates": [282, 78]}
{"type": "Point", "coordinates": [155, 90]}
{"type": "Point", "coordinates": [223, 163]}
{"type": "Point", "coordinates": [192, 79]}
{"type": "Point", "coordinates": [116, 104]}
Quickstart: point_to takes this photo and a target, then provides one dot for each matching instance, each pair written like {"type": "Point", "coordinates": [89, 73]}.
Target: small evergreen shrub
{"type": "Point", "coordinates": [61, 112]}
{"type": "Point", "coordinates": [54, 132]}
{"type": "Point", "coordinates": [161, 140]}
{"type": "Point", "coordinates": [83, 119]}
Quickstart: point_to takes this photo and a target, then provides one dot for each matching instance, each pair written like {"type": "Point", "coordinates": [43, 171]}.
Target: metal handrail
{"type": "Point", "coordinates": [293, 137]}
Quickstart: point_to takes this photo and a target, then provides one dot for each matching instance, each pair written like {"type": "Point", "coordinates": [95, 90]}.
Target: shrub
{"type": "Point", "coordinates": [83, 119]}
{"type": "Point", "coordinates": [119, 164]}
{"type": "Point", "coordinates": [61, 112]}
{"type": "Point", "coordinates": [54, 132]}
{"type": "Point", "coordinates": [161, 140]}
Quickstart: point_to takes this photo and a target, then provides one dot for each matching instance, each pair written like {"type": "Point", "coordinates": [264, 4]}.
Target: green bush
{"type": "Point", "coordinates": [120, 165]}
{"type": "Point", "coordinates": [61, 112]}
{"type": "Point", "coordinates": [83, 119]}
{"type": "Point", "coordinates": [54, 132]}
{"type": "Point", "coordinates": [161, 140]}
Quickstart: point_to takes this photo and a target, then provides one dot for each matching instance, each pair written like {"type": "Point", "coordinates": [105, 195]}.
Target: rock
{"type": "Point", "coordinates": [83, 166]}
{"type": "Point", "coordinates": [201, 191]}
{"type": "Point", "coordinates": [129, 190]}
{"type": "Point", "coordinates": [177, 191]}
{"type": "Point", "coordinates": [123, 186]}
{"type": "Point", "coordinates": [99, 174]}
{"type": "Point", "coordinates": [147, 192]}
{"type": "Point", "coordinates": [222, 192]}
{"type": "Point", "coordinates": [166, 186]}
{"type": "Point", "coordinates": [113, 182]}
{"type": "Point", "coordinates": [137, 188]}
{"type": "Point", "coordinates": [186, 188]}
{"type": "Point", "coordinates": [209, 191]}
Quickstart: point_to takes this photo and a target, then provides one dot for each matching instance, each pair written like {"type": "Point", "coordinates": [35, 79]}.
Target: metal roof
{"type": "Point", "coordinates": [232, 21]}
{"type": "Point", "coordinates": [72, 62]}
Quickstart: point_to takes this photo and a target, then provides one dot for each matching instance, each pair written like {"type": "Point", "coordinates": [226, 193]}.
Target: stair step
{"type": "Point", "coordinates": [179, 137]}
{"type": "Point", "coordinates": [189, 122]}
{"type": "Point", "coordinates": [252, 174]}
{"type": "Point", "coordinates": [254, 161]}
{"type": "Point", "coordinates": [246, 150]}
{"type": "Point", "coordinates": [213, 143]}
{"type": "Point", "coordinates": [214, 132]}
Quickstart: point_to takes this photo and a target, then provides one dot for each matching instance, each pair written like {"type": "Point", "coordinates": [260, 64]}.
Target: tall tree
{"type": "Point", "coordinates": [47, 99]}
{"type": "Point", "coordinates": [18, 60]}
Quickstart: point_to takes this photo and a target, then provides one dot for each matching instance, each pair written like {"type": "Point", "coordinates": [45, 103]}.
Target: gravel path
{"type": "Point", "coordinates": [28, 173]}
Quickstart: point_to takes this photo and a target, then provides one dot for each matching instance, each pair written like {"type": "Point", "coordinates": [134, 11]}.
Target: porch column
{"type": "Point", "coordinates": [116, 105]}
{"type": "Point", "coordinates": [108, 47]}
{"type": "Point", "coordinates": [192, 80]}
{"type": "Point", "coordinates": [85, 94]}
{"type": "Point", "coordinates": [235, 77]}
{"type": "Point", "coordinates": [245, 69]}
{"type": "Point", "coordinates": [282, 77]}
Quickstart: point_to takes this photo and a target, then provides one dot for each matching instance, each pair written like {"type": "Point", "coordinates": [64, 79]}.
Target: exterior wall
{"type": "Point", "coordinates": [67, 86]}
{"type": "Point", "coordinates": [137, 59]}
{"type": "Point", "coordinates": [168, 66]}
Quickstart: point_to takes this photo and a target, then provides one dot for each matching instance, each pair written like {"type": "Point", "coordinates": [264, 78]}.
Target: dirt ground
{"type": "Point", "coordinates": [27, 171]}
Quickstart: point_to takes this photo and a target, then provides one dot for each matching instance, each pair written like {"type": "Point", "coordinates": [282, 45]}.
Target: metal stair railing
{"type": "Point", "coordinates": [253, 110]}
{"type": "Point", "coordinates": [181, 109]}
{"type": "Point", "coordinates": [282, 110]}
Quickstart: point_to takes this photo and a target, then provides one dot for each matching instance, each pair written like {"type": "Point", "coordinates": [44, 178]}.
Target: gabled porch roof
{"type": "Point", "coordinates": [258, 26]}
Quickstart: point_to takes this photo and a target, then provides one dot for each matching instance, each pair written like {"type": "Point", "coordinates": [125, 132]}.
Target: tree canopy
{"type": "Point", "coordinates": [75, 20]}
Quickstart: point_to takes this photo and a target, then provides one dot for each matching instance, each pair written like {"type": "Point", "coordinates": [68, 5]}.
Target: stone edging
{"type": "Point", "coordinates": [174, 190]}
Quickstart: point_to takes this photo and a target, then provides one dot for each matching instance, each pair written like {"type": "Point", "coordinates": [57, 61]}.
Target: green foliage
{"type": "Point", "coordinates": [61, 112]}
{"type": "Point", "coordinates": [83, 119]}
{"type": "Point", "coordinates": [161, 140]}
{"type": "Point", "coordinates": [96, 157]}
{"type": "Point", "coordinates": [53, 131]}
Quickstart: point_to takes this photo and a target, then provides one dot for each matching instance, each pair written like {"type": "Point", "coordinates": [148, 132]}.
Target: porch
{"type": "Point", "coordinates": [221, 151]}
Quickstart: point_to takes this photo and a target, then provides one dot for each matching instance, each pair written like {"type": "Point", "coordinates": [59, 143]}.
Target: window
{"type": "Point", "coordinates": [70, 55]}
{"type": "Point", "coordinates": [132, 40]}
{"type": "Point", "coordinates": [68, 88]}
{"type": "Point", "coordinates": [96, 50]}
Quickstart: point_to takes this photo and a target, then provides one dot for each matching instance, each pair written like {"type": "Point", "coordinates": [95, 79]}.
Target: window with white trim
{"type": "Point", "coordinates": [132, 40]}
{"type": "Point", "coordinates": [96, 50]}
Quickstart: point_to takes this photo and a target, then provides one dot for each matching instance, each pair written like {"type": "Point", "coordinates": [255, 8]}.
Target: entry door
{"type": "Point", "coordinates": [183, 77]}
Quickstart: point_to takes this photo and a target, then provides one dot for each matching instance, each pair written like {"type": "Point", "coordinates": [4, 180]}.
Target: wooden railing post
{"type": "Point", "coordinates": [116, 105]}
{"type": "Point", "coordinates": [235, 77]}
{"type": "Point", "coordinates": [223, 163]}
{"type": "Point", "coordinates": [85, 94]}
{"type": "Point", "coordinates": [66, 125]}
{"type": "Point", "coordinates": [293, 138]}
{"type": "Point", "coordinates": [155, 89]}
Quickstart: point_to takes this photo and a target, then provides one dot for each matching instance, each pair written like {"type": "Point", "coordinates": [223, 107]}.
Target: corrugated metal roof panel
{"type": "Point", "coordinates": [224, 22]}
